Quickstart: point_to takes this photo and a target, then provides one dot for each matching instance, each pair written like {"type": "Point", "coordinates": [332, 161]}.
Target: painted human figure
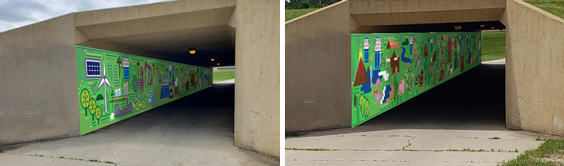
{"type": "Point", "coordinates": [141, 78]}
{"type": "Point", "coordinates": [410, 45]}
{"type": "Point", "coordinates": [415, 46]}
{"type": "Point", "coordinates": [170, 75]}
{"type": "Point", "coordinates": [432, 37]}
{"type": "Point", "coordinates": [449, 45]}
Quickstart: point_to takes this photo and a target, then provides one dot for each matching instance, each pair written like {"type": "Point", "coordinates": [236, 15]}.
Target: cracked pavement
{"type": "Point", "coordinates": [193, 130]}
{"type": "Point", "coordinates": [456, 123]}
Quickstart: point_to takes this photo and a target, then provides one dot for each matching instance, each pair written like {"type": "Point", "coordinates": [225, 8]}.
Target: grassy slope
{"type": "Point", "coordinates": [555, 7]}
{"type": "Point", "coordinates": [493, 46]}
{"type": "Point", "coordinates": [222, 75]}
{"type": "Point", "coordinates": [291, 14]}
{"type": "Point", "coordinates": [552, 148]}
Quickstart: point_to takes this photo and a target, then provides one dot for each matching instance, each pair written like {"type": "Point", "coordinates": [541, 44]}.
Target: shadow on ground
{"type": "Point", "coordinates": [194, 130]}
{"type": "Point", "coordinates": [474, 100]}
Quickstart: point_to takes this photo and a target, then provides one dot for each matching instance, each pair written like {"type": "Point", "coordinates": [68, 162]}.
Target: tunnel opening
{"type": "Point", "coordinates": [195, 111]}
{"type": "Point", "coordinates": [473, 100]}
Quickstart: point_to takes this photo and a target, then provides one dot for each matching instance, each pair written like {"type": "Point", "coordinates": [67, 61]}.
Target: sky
{"type": "Point", "coordinates": [18, 13]}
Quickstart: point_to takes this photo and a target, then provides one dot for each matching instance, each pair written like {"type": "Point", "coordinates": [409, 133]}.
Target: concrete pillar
{"type": "Point", "coordinates": [534, 69]}
{"type": "Point", "coordinates": [318, 60]}
{"type": "Point", "coordinates": [39, 96]}
{"type": "Point", "coordinates": [257, 74]}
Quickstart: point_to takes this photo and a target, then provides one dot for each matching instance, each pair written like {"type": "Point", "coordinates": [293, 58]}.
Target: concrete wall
{"type": "Point", "coordinates": [404, 12]}
{"type": "Point", "coordinates": [534, 69]}
{"type": "Point", "coordinates": [38, 64]}
{"type": "Point", "coordinates": [257, 93]}
{"type": "Point", "coordinates": [317, 60]}
{"type": "Point", "coordinates": [153, 18]}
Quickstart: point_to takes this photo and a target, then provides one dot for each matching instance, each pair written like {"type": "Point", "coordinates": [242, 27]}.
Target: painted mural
{"type": "Point", "coordinates": [115, 86]}
{"type": "Point", "coordinates": [389, 69]}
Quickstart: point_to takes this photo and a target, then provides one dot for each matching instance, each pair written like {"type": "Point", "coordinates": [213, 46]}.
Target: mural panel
{"type": "Point", "coordinates": [114, 86]}
{"type": "Point", "coordinates": [389, 69]}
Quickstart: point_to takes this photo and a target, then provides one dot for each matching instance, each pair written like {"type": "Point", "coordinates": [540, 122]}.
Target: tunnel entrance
{"type": "Point", "coordinates": [154, 65]}
{"type": "Point", "coordinates": [447, 62]}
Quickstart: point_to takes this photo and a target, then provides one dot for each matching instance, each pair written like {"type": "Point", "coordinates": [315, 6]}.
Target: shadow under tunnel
{"type": "Point", "coordinates": [202, 119]}
{"type": "Point", "coordinates": [474, 100]}
{"type": "Point", "coordinates": [193, 130]}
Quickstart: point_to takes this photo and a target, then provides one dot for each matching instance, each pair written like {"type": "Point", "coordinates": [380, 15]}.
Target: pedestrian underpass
{"type": "Point", "coordinates": [390, 68]}
{"type": "Point", "coordinates": [88, 70]}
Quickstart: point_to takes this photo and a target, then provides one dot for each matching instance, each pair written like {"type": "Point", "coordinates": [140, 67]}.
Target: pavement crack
{"type": "Point", "coordinates": [408, 144]}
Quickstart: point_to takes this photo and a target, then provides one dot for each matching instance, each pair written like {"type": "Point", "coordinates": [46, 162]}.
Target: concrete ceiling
{"type": "Point", "coordinates": [165, 31]}
{"type": "Point", "coordinates": [441, 27]}
{"type": "Point", "coordinates": [414, 12]}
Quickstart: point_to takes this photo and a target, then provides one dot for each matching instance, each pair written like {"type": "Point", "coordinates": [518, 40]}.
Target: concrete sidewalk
{"type": "Point", "coordinates": [13, 159]}
{"type": "Point", "coordinates": [231, 81]}
{"type": "Point", "coordinates": [460, 122]}
{"type": "Point", "coordinates": [194, 130]}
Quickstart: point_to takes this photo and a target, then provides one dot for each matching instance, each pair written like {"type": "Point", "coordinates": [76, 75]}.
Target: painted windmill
{"type": "Point", "coordinates": [104, 82]}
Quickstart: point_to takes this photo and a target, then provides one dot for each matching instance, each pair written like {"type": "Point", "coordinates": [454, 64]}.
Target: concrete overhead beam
{"type": "Point", "coordinates": [163, 23]}
{"type": "Point", "coordinates": [400, 6]}
{"type": "Point", "coordinates": [149, 10]}
{"type": "Point", "coordinates": [405, 12]}
{"type": "Point", "coordinates": [429, 17]}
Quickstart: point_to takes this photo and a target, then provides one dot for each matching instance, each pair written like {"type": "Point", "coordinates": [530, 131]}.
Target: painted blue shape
{"type": "Point", "coordinates": [366, 87]}
{"type": "Point", "coordinates": [125, 72]}
{"type": "Point", "coordinates": [403, 58]}
{"type": "Point", "coordinates": [164, 92]}
{"type": "Point", "coordinates": [386, 94]}
{"type": "Point", "coordinates": [152, 98]}
{"type": "Point", "coordinates": [375, 75]}
{"type": "Point", "coordinates": [378, 60]}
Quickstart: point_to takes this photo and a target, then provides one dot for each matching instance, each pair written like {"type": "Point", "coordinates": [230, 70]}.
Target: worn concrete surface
{"type": "Point", "coordinates": [194, 130]}
{"type": "Point", "coordinates": [38, 71]}
{"type": "Point", "coordinates": [317, 88]}
{"type": "Point", "coordinates": [14, 159]}
{"type": "Point", "coordinates": [257, 95]}
{"type": "Point", "coordinates": [447, 125]}
{"type": "Point", "coordinates": [535, 52]}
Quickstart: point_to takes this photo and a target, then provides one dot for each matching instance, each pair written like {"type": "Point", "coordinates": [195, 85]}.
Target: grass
{"type": "Point", "coordinates": [291, 135]}
{"type": "Point", "coordinates": [222, 75]}
{"type": "Point", "coordinates": [493, 46]}
{"type": "Point", "coordinates": [494, 138]}
{"type": "Point", "coordinates": [309, 149]}
{"type": "Point", "coordinates": [294, 13]}
{"type": "Point", "coordinates": [551, 148]}
{"type": "Point", "coordinates": [555, 7]}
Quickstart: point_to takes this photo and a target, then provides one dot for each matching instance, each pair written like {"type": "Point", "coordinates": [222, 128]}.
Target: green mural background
{"type": "Point", "coordinates": [390, 68]}
{"type": "Point", "coordinates": [114, 86]}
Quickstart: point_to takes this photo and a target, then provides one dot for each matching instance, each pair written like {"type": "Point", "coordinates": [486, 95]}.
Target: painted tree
{"type": "Point", "coordinates": [92, 107]}
{"type": "Point", "coordinates": [98, 114]}
{"type": "Point", "coordinates": [84, 102]}
{"type": "Point", "coordinates": [364, 106]}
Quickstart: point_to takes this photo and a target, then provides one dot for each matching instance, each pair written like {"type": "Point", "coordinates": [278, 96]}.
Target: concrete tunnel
{"type": "Point", "coordinates": [222, 30]}
{"type": "Point", "coordinates": [317, 46]}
